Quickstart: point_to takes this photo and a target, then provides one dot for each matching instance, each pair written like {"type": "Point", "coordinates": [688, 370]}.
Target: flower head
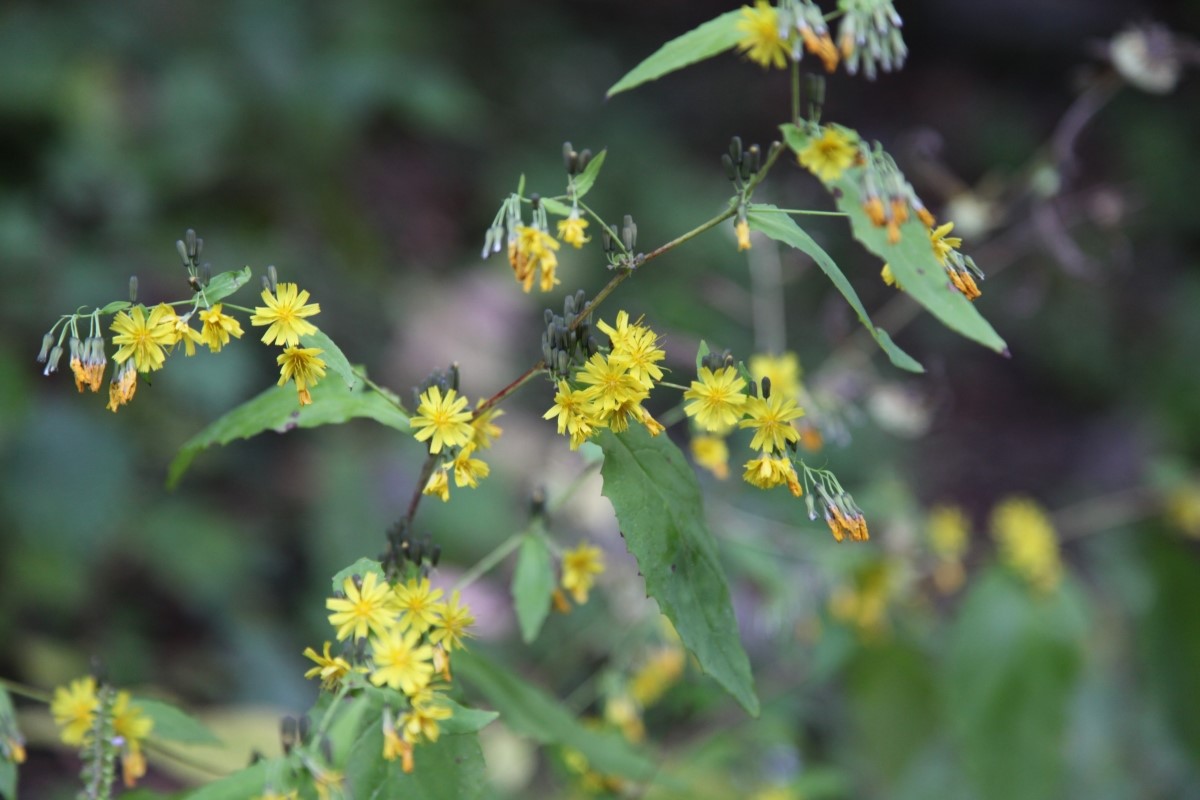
{"type": "Point", "coordinates": [285, 313]}
{"type": "Point", "coordinates": [717, 399]}
{"type": "Point", "coordinates": [610, 384]}
{"type": "Point", "coordinates": [438, 485]}
{"type": "Point", "coordinates": [579, 570]}
{"type": "Point", "coordinates": [1028, 542]}
{"type": "Point", "coordinates": [783, 371]}
{"type": "Point", "coordinates": [442, 419]}
{"type": "Point", "coordinates": [421, 722]}
{"type": "Point", "coordinates": [532, 250]}
{"type": "Point", "coordinates": [401, 661]}
{"type": "Point", "coordinates": [418, 604]}
{"type": "Point", "coordinates": [132, 726]}
{"type": "Point", "coordinates": [451, 623]}
{"type": "Point", "coordinates": [74, 706]}
{"type": "Point", "coordinates": [761, 40]}
{"type": "Point", "coordinates": [768, 471]}
{"type": "Point", "coordinates": [484, 429]}
{"type": "Point", "coordinates": [143, 338]}
{"type": "Point", "coordinates": [182, 331]}
{"type": "Point", "coordinates": [711, 453]}
{"type": "Point", "coordinates": [574, 410]}
{"type": "Point", "coordinates": [329, 668]}
{"type": "Point", "coordinates": [304, 366]}
{"type": "Point", "coordinates": [948, 532]}
{"type": "Point", "coordinates": [365, 607]}
{"type": "Point", "coordinates": [637, 348]}
{"type": "Point", "coordinates": [741, 230]}
{"type": "Point", "coordinates": [469, 471]}
{"type": "Point", "coordinates": [570, 230]}
{"type": "Point", "coordinates": [829, 155]}
{"type": "Point", "coordinates": [772, 420]}
{"type": "Point", "coordinates": [218, 327]}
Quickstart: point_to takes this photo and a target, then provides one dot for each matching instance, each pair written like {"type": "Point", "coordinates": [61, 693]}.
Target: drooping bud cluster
{"type": "Point", "coordinates": [198, 275]}
{"type": "Point", "coordinates": [869, 37]}
{"type": "Point", "coordinates": [567, 342]}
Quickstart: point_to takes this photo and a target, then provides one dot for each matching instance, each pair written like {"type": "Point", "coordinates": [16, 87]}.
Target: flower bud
{"type": "Point", "coordinates": [133, 288]}
{"type": "Point", "coordinates": [47, 343]}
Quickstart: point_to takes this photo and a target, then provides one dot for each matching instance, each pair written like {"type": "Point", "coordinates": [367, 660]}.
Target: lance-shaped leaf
{"type": "Point", "coordinates": [277, 409]}
{"type": "Point", "coordinates": [912, 259]}
{"type": "Point", "coordinates": [532, 584]}
{"type": "Point", "coordinates": [174, 724]}
{"type": "Point", "coordinates": [713, 37]}
{"type": "Point", "coordinates": [658, 505]}
{"type": "Point", "coordinates": [782, 228]}
{"type": "Point", "coordinates": [335, 360]}
{"type": "Point", "coordinates": [585, 179]}
{"type": "Point", "coordinates": [225, 284]}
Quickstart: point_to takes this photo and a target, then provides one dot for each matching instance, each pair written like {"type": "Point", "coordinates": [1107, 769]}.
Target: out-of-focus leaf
{"type": "Point", "coordinates": [1014, 660]}
{"type": "Point", "coordinates": [8, 780]}
{"type": "Point", "coordinates": [555, 207]}
{"type": "Point", "coordinates": [893, 698]}
{"type": "Point", "coordinates": [912, 259]}
{"type": "Point", "coordinates": [532, 585]}
{"type": "Point", "coordinates": [242, 784]}
{"type": "Point", "coordinates": [466, 720]}
{"type": "Point", "coordinates": [530, 711]}
{"type": "Point", "coordinates": [333, 356]}
{"type": "Point", "coordinates": [585, 179]}
{"type": "Point", "coordinates": [713, 37]}
{"type": "Point", "coordinates": [115, 306]}
{"type": "Point", "coordinates": [225, 284]}
{"type": "Point", "coordinates": [782, 228]}
{"type": "Point", "coordinates": [360, 568]}
{"type": "Point", "coordinates": [659, 508]}
{"type": "Point", "coordinates": [175, 724]}
{"type": "Point", "coordinates": [277, 409]}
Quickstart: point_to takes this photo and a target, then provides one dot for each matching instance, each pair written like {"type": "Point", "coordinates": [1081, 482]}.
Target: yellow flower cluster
{"type": "Point", "coordinates": [579, 570]}
{"type": "Point", "coordinates": [454, 434]}
{"type": "Point", "coordinates": [530, 251]}
{"type": "Point", "coordinates": [1027, 541]}
{"type": "Point", "coordinates": [608, 391]}
{"type": "Point", "coordinates": [768, 43]}
{"type": "Point", "coordinates": [285, 316]}
{"type": "Point", "coordinates": [74, 708]}
{"type": "Point", "coordinates": [411, 631]}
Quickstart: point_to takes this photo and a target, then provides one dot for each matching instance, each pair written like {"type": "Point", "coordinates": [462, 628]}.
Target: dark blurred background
{"type": "Point", "coordinates": [363, 149]}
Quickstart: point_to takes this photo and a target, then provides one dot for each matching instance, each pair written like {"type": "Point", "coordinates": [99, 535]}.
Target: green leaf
{"type": "Point", "coordinates": [532, 585]}
{"type": "Point", "coordinates": [659, 508]}
{"type": "Point", "coordinates": [713, 37]}
{"type": "Point", "coordinates": [700, 354]}
{"type": "Point", "coordinates": [1013, 664]}
{"type": "Point", "coordinates": [225, 284]}
{"type": "Point", "coordinates": [450, 768]}
{"type": "Point", "coordinates": [530, 711]}
{"type": "Point", "coordinates": [174, 724]}
{"type": "Point", "coordinates": [782, 228]}
{"type": "Point", "coordinates": [893, 703]}
{"type": "Point", "coordinates": [584, 180]}
{"type": "Point", "coordinates": [277, 409]}
{"type": "Point", "coordinates": [466, 720]}
{"type": "Point", "coordinates": [555, 207]}
{"type": "Point", "coordinates": [912, 258]}
{"type": "Point", "coordinates": [115, 306]}
{"type": "Point", "coordinates": [360, 568]}
{"type": "Point", "coordinates": [333, 356]}
{"type": "Point", "coordinates": [242, 784]}
{"type": "Point", "coordinates": [8, 780]}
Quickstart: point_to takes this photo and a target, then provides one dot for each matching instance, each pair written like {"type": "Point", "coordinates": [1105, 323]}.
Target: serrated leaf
{"type": "Point", "coordinates": [242, 784]}
{"type": "Point", "coordinates": [225, 284]}
{"type": "Point", "coordinates": [277, 409]}
{"type": "Point", "coordinates": [659, 508]}
{"type": "Point", "coordinates": [912, 258]}
{"type": "Point", "coordinates": [115, 306]}
{"type": "Point", "coordinates": [556, 207]}
{"type": "Point", "coordinates": [532, 585]}
{"type": "Point", "coordinates": [360, 568]}
{"type": "Point", "coordinates": [1013, 663]}
{"type": "Point", "coordinates": [333, 356]}
{"type": "Point", "coordinates": [584, 180]}
{"type": "Point", "coordinates": [713, 37]}
{"type": "Point", "coordinates": [768, 219]}
{"type": "Point", "coordinates": [529, 711]}
{"type": "Point", "coordinates": [174, 724]}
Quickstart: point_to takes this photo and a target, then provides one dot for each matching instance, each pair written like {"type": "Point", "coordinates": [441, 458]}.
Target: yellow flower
{"type": "Point", "coordinates": [363, 608]}
{"type": "Point", "coordinates": [484, 430]}
{"type": "Point", "coordinates": [401, 661]}
{"type": "Point", "coordinates": [438, 485]}
{"type": "Point", "coordinates": [761, 39]}
{"type": "Point", "coordinates": [531, 250]}
{"type": "Point", "coordinates": [122, 386]}
{"type": "Point", "coordinates": [443, 419]}
{"type": "Point", "coordinates": [418, 603]}
{"type": "Point", "coordinates": [330, 669]}
{"type": "Point", "coordinates": [570, 230]}
{"type": "Point", "coordinates": [580, 566]}
{"type": "Point", "coordinates": [889, 277]}
{"type": "Point", "coordinates": [74, 707]}
{"type": "Point", "coordinates": [711, 453]}
{"type": "Point", "coordinates": [393, 746]}
{"type": "Point", "coordinates": [640, 354]}
{"type": "Point", "coordinates": [469, 471]}
{"type": "Point", "coordinates": [574, 410]}
{"type": "Point", "coordinates": [218, 327]}
{"type": "Point", "coordinates": [829, 155]}
{"type": "Point", "coordinates": [133, 726]}
{"type": "Point", "coordinates": [766, 472]}
{"type": "Point", "coordinates": [610, 384]}
{"type": "Point", "coordinates": [949, 532]}
{"type": "Point", "coordinates": [944, 244]}
{"type": "Point", "coordinates": [783, 371]}
{"type": "Point", "coordinates": [717, 399]}
{"type": "Point", "coordinates": [304, 366]}
{"type": "Point", "coordinates": [181, 331]}
{"type": "Point", "coordinates": [842, 525]}
{"type": "Point", "coordinates": [741, 229]}
{"type": "Point", "coordinates": [772, 421]}
{"type": "Point", "coordinates": [1027, 541]}
{"type": "Point", "coordinates": [284, 313]}
{"type": "Point", "coordinates": [421, 722]}
{"type": "Point", "coordinates": [621, 337]}
{"type": "Point", "coordinates": [143, 338]}
{"type": "Point", "coordinates": [451, 623]}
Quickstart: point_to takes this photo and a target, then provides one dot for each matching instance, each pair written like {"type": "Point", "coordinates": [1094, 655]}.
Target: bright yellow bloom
{"type": "Point", "coordinates": [772, 421]}
{"type": "Point", "coordinates": [438, 485]}
{"type": "Point", "coordinates": [829, 155]}
{"type": "Point", "coordinates": [451, 623]}
{"type": "Point", "coordinates": [284, 313]}
{"type": "Point", "coordinates": [531, 250]}
{"type": "Point", "coordinates": [741, 229]}
{"type": "Point", "coordinates": [580, 566]}
{"type": "Point", "coordinates": [401, 661]}
{"type": "Point", "coordinates": [640, 354]}
{"type": "Point", "coordinates": [766, 472]}
{"type": "Point", "coordinates": [181, 331]}
{"type": "Point", "coordinates": [444, 419]}
{"type": "Point", "coordinates": [1028, 543]}
{"type": "Point", "coordinates": [469, 471]}
{"type": "Point", "coordinates": [123, 386]}
{"type": "Point", "coordinates": [610, 384]}
{"type": "Point", "coordinates": [948, 531]}
{"type": "Point", "coordinates": [143, 338]}
{"type": "Point", "coordinates": [304, 366]}
{"type": "Point", "coordinates": [574, 410]}
{"type": "Point", "coordinates": [711, 453]}
{"type": "Point", "coordinates": [74, 707]}
{"type": "Point", "coordinates": [421, 722]}
{"type": "Point", "coordinates": [366, 607]}
{"type": "Point", "coordinates": [717, 399]}
{"type": "Point", "coordinates": [329, 668]}
{"type": "Point", "coordinates": [621, 337]}
{"type": "Point", "coordinates": [570, 230]}
{"type": "Point", "coordinates": [484, 430]}
{"type": "Point", "coordinates": [418, 603]}
{"type": "Point", "coordinates": [761, 39]}
{"type": "Point", "coordinates": [944, 244]}
{"type": "Point", "coordinates": [783, 371]}
{"type": "Point", "coordinates": [133, 726]}
{"type": "Point", "coordinates": [218, 327]}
